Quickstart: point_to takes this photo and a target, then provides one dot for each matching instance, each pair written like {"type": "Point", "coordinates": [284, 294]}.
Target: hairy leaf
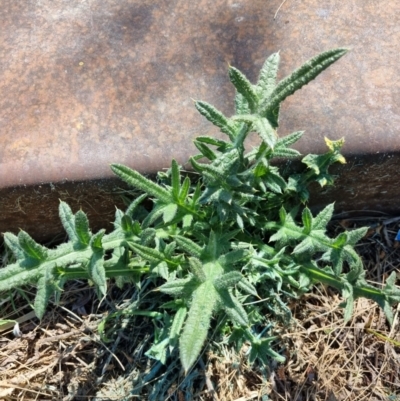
{"type": "Point", "coordinates": [169, 212]}
{"type": "Point", "coordinates": [31, 248]}
{"type": "Point", "coordinates": [43, 293]}
{"type": "Point", "coordinates": [205, 150]}
{"type": "Point", "coordinates": [227, 280]}
{"type": "Point", "coordinates": [233, 308]}
{"type": "Point", "coordinates": [188, 246]}
{"type": "Point", "coordinates": [217, 118]}
{"type": "Point", "coordinates": [82, 228]}
{"type": "Point", "coordinates": [196, 268]}
{"type": "Point", "coordinates": [267, 79]}
{"type": "Point", "coordinates": [176, 326]}
{"type": "Point", "coordinates": [244, 87]}
{"type": "Point", "coordinates": [175, 179]}
{"type": "Point", "coordinates": [180, 287]}
{"type": "Point", "coordinates": [12, 242]}
{"type": "Point", "coordinates": [197, 324]}
{"type": "Point", "coordinates": [137, 180]}
{"type": "Point", "coordinates": [67, 220]}
{"type": "Point", "coordinates": [302, 76]}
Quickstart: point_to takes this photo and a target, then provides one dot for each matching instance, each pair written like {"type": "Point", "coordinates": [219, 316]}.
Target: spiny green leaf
{"type": "Point", "coordinates": [197, 194]}
{"type": "Point", "coordinates": [388, 312]}
{"type": "Point", "coordinates": [230, 258]}
{"type": "Point", "coordinates": [196, 268]}
{"type": "Point", "coordinates": [304, 282]}
{"type": "Point", "coordinates": [266, 131]}
{"type": "Point", "coordinates": [241, 104]}
{"type": "Point", "coordinates": [82, 228]}
{"type": "Point", "coordinates": [188, 246]}
{"type": "Point", "coordinates": [261, 349]}
{"type": "Point", "coordinates": [139, 181]}
{"type": "Point", "coordinates": [227, 161]}
{"type": "Point", "coordinates": [187, 220]}
{"type": "Point", "coordinates": [31, 248]}
{"type": "Point", "coordinates": [302, 76]}
{"type": "Point", "coordinates": [272, 115]}
{"type": "Point", "coordinates": [147, 236]}
{"type": "Point", "coordinates": [247, 287]}
{"type": "Point", "coordinates": [216, 117]}
{"type": "Point", "coordinates": [267, 79]}
{"type": "Point", "coordinates": [127, 224]}
{"type": "Point", "coordinates": [175, 180]}
{"type": "Point", "coordinates": [233, 308]}
{"type": "Point", "coordinates": [227, 280]}
{"type": "Point", "coordinates": [391, 291]}
{"type": "Point", "coordinates": [213, 248]}
{"type": "Point", "coordinates": [169, 212]}
{"type": "Point", "coordinates": [316, 242]}
{"type": "Point", "coordinates": [314, 162]}
{"type": "Point", "coordinates": [296, 186]}
{"type": "Point", "coordinates": [287, 231]}
{"type": "Point", "coordinates": [117, 219]}
{"type": "Point", "coordinates": [273, 180]}
{"type": "Point", "coordinates": [209, 171]}
{"type": "Point", "coordinates": [191, 232]}
{"type": "Point", "coordinates": [134, 205]}
{"type": "Point", "coordinates": [150, 254]}
{"type": "Point", "coordinates": [244, 87]}
{"type": "Point", "coordinates": [340, 241]}
{"type": "Point", "coordinates": [15, 275]}
{"type": "Point", "coordinates": [176, 326]}
{"type": "Point", "coordinates": [356, 273]}
{"type": "Point", "coordinates": [285, 153]}
{"type": "Point", "coordinates": [338, 254]}
{"type": "Point", "coordinates": [180, 287]}
{"type": "Point", "coordinates": [282, 215]}
{"type": "Point", "coordinates": [259, 170]}
{"type": "Point", "coordinates": [12, 242]}
{"type": "Point", "coordinates": [169, 249]}
{"type": "Point", "coordinates": [68, 220]}
{"type": "Point", "coordinates": [97, 272]}
{"type": "Point", "coordinates": [281, 148]}
{"type": "Point", "coordinates": [323, 218]}
{"type": "Point", "coordinates": [197, 324]}
{"type": "Point", "coordinates": [353, 236]}
{"type": "Point", "coordinates": [348, 295]}
{"type": "Point", "coordinates": [161, 269]}
{"type": "Point", "coordinates": [307, 220]}
{"type": "Point", "coordinates": [96, 241]}
{"type": "Point", "coordinates": [289, 139]}
{"type": "Point", "coordinates": [43, 293]}
{"type": "Point", "coordinates": [153, 216]}
{"type": "Point", "coordinates": [209, 140]}
{"type": "Point", "coordinates": [184, 191]}
{"type": "Point", "coordinates": [205, 150]}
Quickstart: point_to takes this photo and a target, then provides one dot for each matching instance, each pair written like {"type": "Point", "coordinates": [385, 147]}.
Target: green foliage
{"type": "Point", "coordinates": [241, 233]}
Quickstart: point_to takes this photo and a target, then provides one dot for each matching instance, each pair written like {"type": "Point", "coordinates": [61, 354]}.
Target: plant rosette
{"type": "Point", "coordinates": [241, 233]}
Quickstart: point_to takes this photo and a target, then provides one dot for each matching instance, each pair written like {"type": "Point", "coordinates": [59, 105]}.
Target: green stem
{"type": "Point", "coordinates": [77, 273]}
{"type": "Point", "coordinates": [323, 277]}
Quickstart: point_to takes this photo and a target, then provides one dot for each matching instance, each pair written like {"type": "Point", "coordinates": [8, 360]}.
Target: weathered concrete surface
{"type": "Point", "coordinates": [85, 83]}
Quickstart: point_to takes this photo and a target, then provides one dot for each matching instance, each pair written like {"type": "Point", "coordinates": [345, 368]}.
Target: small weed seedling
{"type": "Point", "coordinates": [242, 232]}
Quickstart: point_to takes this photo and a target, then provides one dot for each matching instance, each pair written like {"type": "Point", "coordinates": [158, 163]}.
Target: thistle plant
{"type": "Point", "coordinates": [240, 233]}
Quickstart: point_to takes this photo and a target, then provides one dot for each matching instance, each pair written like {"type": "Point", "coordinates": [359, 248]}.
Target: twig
{"type": "Point", "coordinates": [277, 11]}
